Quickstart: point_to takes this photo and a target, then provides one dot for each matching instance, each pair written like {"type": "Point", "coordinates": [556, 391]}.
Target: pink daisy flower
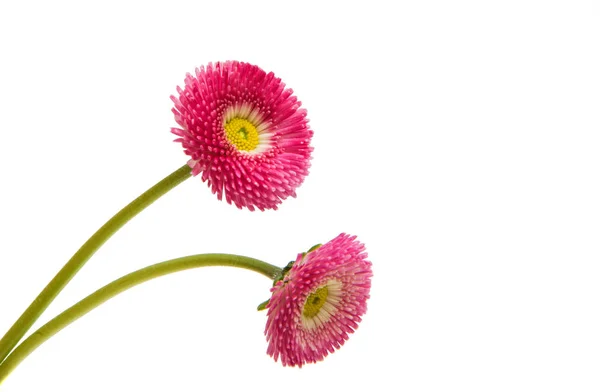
{"type": "Point", "coordinates": [319, 302]}
{"type": "Point", "coordinates": [244, 132]}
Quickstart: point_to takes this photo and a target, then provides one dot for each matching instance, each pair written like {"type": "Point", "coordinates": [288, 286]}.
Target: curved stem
{"type": "Point", "coordinates": [37, 307]}
{"type": "Point", "coordinates": [118, 286]}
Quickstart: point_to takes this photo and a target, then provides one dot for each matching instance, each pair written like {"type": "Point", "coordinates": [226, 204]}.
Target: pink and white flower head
{"type": "Point", "coordinates": [244, 132]}
{"type": "Point", "coordinates": [319, 302]}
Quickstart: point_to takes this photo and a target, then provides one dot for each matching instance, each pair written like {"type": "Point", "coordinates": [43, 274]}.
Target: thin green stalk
{"type": "Point", "coordinates": [37, 307]}
{"type": "Point", "coordinates": [118, 286]}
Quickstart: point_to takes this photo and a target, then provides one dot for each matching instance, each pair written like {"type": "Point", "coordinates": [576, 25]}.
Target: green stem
{"type": "Point", "coordinates": [37, 307]}
{"type": "Point", "coordinates": [118, 286]}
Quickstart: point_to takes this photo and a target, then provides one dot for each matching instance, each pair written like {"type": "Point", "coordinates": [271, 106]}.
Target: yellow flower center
{"type": "Point", "coordinates": [242, 134]}
{"type": "Point", "coordinates": [315, 301]}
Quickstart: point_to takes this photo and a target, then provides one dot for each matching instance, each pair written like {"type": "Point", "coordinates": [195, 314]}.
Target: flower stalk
{"type": "Point", "coordinates": [64, 276]}
{"type": "Point", "coordinates": [122, 284]}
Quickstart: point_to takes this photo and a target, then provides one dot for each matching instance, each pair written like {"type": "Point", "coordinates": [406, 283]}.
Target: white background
{"type": "Point", "coordinates": [458, 140]}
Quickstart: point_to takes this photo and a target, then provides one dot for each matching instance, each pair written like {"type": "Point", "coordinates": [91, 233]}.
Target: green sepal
{"type": "Point", "coordinates": [262, 306]}
{"type": "Point", "coordinates": [314, 247]}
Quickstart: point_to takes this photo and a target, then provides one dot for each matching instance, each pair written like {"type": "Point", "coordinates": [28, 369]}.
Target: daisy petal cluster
{"type": "Point", "coordinates": [318, 302]}
{"type": "Point", "coordinates": [245, 133]}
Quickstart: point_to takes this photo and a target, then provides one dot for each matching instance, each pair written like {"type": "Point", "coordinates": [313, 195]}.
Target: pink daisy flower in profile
{"type": "Point", "coordinates": [244, 132]}
{"type": "Point", "coordinates": [318, 302]}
